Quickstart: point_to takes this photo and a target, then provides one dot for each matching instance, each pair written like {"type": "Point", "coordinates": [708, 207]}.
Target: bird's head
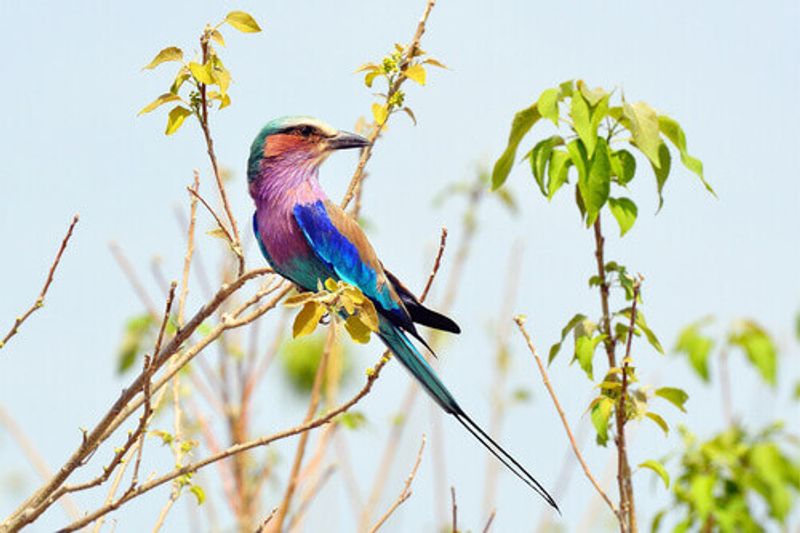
{"type": "Point", "coordinates": [298, 141]}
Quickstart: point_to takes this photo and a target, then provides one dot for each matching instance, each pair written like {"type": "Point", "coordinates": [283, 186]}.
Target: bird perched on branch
{"type": "Point", "coordinates": [307, 239]}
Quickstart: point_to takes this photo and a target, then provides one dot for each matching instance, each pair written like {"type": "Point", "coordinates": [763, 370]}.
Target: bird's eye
{"type": "Point", "coordinates": [306, 131]}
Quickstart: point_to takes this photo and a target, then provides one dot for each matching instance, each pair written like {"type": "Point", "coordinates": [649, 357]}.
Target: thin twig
{"type": "Point", "coordinates": [316, 391]}
{"type": "Point", "coordinates": [489, 521]}
{"type": "Point", "coordinates": [520, 320]}
{"type": "Point", "coordinates": [195, 194]}
{"type": "Point", "coordinates": [372, 375]}
{"type": "Point", "coordinates": [405, 493]}
{"type": "Point", "coordinates": [40, 299]}
{"type": "Point", "coordinates": [187, 259]}
{"type": "Point", "coordinates": [366, 152]}
{"type": "Point", "coordinates": [454, 507]}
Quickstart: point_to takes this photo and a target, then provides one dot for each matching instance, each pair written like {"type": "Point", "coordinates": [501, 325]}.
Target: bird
{"type": "Point", "coordinates": [306, 238]}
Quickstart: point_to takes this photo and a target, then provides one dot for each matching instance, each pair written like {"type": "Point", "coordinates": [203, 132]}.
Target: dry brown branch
{"type": "Point", "coordinates": [130, 400]}
{"type": "Point", "coordinates": [40, 299]}
{"type": "Point", "coordinates": [316, 391]}
{"type": "Point", "coordinates": [34, 458]}
{"type": "Point", "coordinates": [267, 520]}
{"type": "Point", "coordinates": [489, 521]}
{"type": "Point", "coordinates": [501, 368]}
{"type": "Point", "coordinates": [520, 320]}
{"type": "Point", "coordinates": [187, 259]}
{"type": "Point", "coordinates": [405, 493]}
{"type": "Point", "coordinates": [372, 375]}
{"type": "Point", "coordinates": [454, 508]}
{"type": "Point", "coordinates": [133, 279]}
{"type": "Point", "coordinates": [366, 152]}
{"type": "Point", "coordinates": [196, 195]}
{"type": "Point", "coordinates": [236, 244]}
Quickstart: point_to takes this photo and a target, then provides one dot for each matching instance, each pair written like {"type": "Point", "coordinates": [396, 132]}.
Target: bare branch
{"type": "Point", "coordinates": [454, 508]}
{"type": "Point", "coordinates": [405, 493]}
{"type": "Point", "coordinates": [40, 299]}
{"type": "Point", "coordinates": [366, 152]}
{"type": "Point", "coordinates": [521, 324]}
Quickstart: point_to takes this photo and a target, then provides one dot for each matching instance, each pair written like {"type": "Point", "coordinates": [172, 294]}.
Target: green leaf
{"type": "Point", "coordinates": [582, 123]}
{"type": "Point", "coordinates": [673, 131]}
{"type": "Point", "coordinates": [352, 419]}
{"type": "Point", "coordinates": [199, 493]}
{"type": "Point", "coordinates": [138, 329]}
{"type": "Point", "coordinates": [183, 75]}
{"type": "Point", "coordinates": [566, 88]}
{"type": "Point", "coordinates": [548, 104]}
{"type": "Point", "coordinates": [662, 170]}
{"type": "Point", "coordinates": [163, 99]}
{"type": "Point", "coordinates": [577, 154]}
{"type": "Point", "coordinates": [242, 21]}
{"type": "Point", "coordinates": [585, 347]}
{"type": "Point", "coordinates": [697, 347]}
{"type": "Point", "coordinates": [701, 494]}
{"type": "Point", "coordinates": [658, 468]}
{"type": "Point", "coordinates": [522, 123]}
{"type": "Point", "coordinates": [758, 347]}
{"type": "Point", "coordinates": [307, 319]}
{"type": "Point", "coordinates": [625, 211]}
{"type": "Point", "coordinates": [592, 96]}
{"type": "Point", "coordinates": [540, 156]}
{"type": "Point", "coordinates": [558, 170]}
{"type": "Point", "coordinates": [176, 118]}
{"type": "Point", "coordinates": [655, 417]}
{"type": "Point", "coordinates": [675, 396]}
{"type": "Point", "coordinates": [623, 166]}
{"type": "Point", "coordinates": [642, 323]}
{"type": "Point", "coordinates": [574, 321]}
{"type": "Point", "coordinates": [415, 73]}
{"type": "Point", "coordinates": [171, 53]}
{"type": "Point", "coordinates": [597, 185]}
{"type": "Point", "coordinates": [601, 412]}
{"type": "Point", "coordinates": [202, 73]}
{"type": "Point", "coordinates": [643, 122]}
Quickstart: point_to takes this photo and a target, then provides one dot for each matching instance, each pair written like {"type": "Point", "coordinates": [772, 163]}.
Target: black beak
{"type": "Point", "coordinates": [345, 139]}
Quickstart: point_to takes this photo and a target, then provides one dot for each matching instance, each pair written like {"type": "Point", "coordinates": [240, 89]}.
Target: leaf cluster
{"type": "Point", "coordinates": [335, 298]}
{"type": "Point", "coordinates": [721, 479]}
{"type": "Point", "coordinates": [206, 77]}
{"type": "Point", "coordinates": [400, 64]}
{"type": "Point", "coordinates": [593, 139]}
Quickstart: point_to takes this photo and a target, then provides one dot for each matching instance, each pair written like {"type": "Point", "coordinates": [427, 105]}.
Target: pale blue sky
{"type": "Point", "coordinates": [70, 142]}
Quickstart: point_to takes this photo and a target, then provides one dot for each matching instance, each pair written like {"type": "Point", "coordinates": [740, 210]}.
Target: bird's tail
{"type": "Point", "coordinates": [415, 363]}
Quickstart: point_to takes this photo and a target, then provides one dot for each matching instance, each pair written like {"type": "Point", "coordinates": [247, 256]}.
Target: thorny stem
{"type": "Point", "coordinates": [627, 522]}
{"type": "Point", "coordinates": [366, 152]}
{"type": "Point", "coordinates": [40, 299]}
{"type": "Point", "coordinates": [520, 320]}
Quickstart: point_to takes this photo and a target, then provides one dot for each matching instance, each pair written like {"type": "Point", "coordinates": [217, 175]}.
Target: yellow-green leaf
{"type": "Point", "coordinates": [416, 73]}
{"type": "Point", "coordinates": [675, 134]}
{"type": "Point", "coordinates": [380, 113]}
{"type": "Point", "coordinates": [243, 22]}
{"type": "Point", "coordinates": [675, 396]}
{"type": "Point", "coordinates": [548, 104]}
{"type": "Point", "coordinates": [655, 417]}
{"type": "Point", "coordinates": [658, 468]}
{"type": "Point", "coordinates": [625, 211]}
{"type": "Point", "coordinates": [199, 493]}
{"type": "Point", "coordinates": [601, 412]}
{"type": "Point", "coordinates": [644, 128]}
{"type": "Point", "coordinates": [368, 315]}
{"type": "Point", "coordinates": [307, 319]}
{"type": "Point", "coordinates": [435, 63]}
{"type": "Point", "coordinates": [369, 78]}
{"type": "Point", "coordinates": [172, 53]}
{"type": "Point", "coordinates": [358, 331]}
{"type": "Point", "coordinates": [161, 100]}
{"type": "Point", "coordinates": [183, 75]}
{"type": "Point", "coordinates": [521, 125]}
{"type": "Point", "coordinates": [582, 123]}
{"type": "Point", "coordinates": [298, 299]}
{"type": "Point", "coordinates": [331, 285]}
{"type": "Point", "coordinates": [218, 233]}
{"type": "Point", "coordinates": [217, 37]}
{"type": "Point", "coordinates": [176, 118]}
{"type": "Point", "coordinates": [202, 73]}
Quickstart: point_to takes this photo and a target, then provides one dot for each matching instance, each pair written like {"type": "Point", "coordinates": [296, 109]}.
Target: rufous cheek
{"type": "Point", "coordinates": [279, 143]}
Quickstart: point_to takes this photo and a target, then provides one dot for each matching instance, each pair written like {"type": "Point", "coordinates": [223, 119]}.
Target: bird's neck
{"type": "Point", "coordinates": [283, 183]}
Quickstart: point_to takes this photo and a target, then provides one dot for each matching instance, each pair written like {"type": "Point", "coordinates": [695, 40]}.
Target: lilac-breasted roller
{"type": "Point", "coordinates": [307, 239]}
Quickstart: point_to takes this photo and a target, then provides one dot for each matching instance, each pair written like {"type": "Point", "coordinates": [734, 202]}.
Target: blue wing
{"type": "Point", "coordinates": [340, 243]}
